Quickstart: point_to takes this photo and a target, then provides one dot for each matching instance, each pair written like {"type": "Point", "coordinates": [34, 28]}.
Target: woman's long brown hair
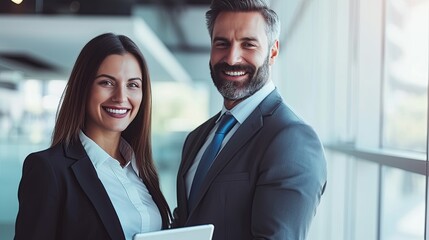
{"type": "Point", "coordinates": [72, 111]}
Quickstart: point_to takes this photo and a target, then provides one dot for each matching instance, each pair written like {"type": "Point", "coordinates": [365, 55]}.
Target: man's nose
{"type": "Point", "coordinates": [233, 55]}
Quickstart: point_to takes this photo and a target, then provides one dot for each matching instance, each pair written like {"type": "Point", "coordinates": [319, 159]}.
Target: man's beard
{"type": "Point", "coordinates": [235, 90]}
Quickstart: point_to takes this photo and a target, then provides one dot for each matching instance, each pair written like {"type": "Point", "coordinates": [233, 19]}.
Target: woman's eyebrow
{"type": "Point", "coordinates": [136, 78]}
{"type": "Point", "coordinates": [105, 75]}
{"type": "Point", "coordinates": [113, 78]}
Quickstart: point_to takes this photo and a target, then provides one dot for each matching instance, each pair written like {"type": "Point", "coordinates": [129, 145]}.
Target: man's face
{"type": "Point", "coordinates": [240, 56]}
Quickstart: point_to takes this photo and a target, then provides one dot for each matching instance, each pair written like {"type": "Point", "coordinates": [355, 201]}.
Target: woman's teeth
{"type": "Point", "coordinates": [116, 111]}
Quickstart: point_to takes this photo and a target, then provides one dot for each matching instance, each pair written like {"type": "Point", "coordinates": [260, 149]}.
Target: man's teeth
{"type": "Point", "coordinates": [235, 73]}
{"type": "Point", "coordinates": [116, 111]}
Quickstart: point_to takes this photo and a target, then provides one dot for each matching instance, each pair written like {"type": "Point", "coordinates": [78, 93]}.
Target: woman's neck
{"type": "Point", "coordinates": [109, 142]}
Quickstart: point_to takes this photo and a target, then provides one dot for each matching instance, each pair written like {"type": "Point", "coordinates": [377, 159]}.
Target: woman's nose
{"type": "Point", "coordinates": [119, 95]}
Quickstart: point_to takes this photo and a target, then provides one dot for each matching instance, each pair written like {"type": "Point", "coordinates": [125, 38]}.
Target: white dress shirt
{"type": "Point", "coordinates": [241, 112]}
{"type": "Point", "coordinates": [131, 199]}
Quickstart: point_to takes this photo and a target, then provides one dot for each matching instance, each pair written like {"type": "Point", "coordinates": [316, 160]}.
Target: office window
{"type": "Point", "coordinates": [27, 115]}
{"type": "Point", "coordinates": [374, 55]}
{"type": "Point", "coordinates": [406, 74]}
{"type": "Point", "coordinates": [364, 200]}
{"type": "Point", "coordinates": [402, 205]}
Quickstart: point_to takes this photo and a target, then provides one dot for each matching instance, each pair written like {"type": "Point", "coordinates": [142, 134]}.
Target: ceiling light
{"type": "Point", "coordinates": [17, 1]}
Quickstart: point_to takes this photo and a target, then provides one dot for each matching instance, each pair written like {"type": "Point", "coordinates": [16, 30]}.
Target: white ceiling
{"type": "Point", "coordinates": [57, 40]}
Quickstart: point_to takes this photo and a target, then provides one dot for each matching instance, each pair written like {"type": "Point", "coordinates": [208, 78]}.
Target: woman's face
{"type": "Point", "coordinates": [115, 95]}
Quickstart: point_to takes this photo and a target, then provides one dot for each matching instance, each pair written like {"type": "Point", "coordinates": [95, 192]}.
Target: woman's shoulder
{"type": "Point", "coordinates": [52, 156]}
{"type": "Point", "coordinates": [59, 154]}
{"type": "Point", "coordinates": [53, 150]}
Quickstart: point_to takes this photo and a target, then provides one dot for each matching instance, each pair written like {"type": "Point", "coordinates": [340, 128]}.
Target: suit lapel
{"type": "Point", "coordinates": [94, 189]}
{"type": "Point", "coordinates": [196, 143]}
{"type": "Point", "coordinates": [188, 159]}
{"type": "Point", "coordinates": [243, 134]}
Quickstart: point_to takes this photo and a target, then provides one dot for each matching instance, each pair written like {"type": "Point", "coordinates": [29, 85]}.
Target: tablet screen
{"type": "Point", "coordinates": [200, 232]}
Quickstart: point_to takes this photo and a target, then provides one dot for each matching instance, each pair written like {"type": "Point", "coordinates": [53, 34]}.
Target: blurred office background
{"type": "Point", "coordinates": [356, 70]}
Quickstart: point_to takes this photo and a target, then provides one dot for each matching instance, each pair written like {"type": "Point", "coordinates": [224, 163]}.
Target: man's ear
{"type": "Point", "coordinates": [274, 52]}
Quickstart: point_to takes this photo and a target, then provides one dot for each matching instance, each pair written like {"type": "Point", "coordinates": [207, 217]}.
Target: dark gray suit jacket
{"type": "Point", "coordinates": [265, 183]}
{"type": "Point", "coordinates": [61, 197]}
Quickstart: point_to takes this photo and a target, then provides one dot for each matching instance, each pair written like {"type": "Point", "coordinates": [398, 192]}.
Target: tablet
{"type": "Point", "coordinates": [200, 232]}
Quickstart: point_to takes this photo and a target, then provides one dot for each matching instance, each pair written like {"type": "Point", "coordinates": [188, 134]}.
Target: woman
{"type": "Point", "coordinates": [98, 179]}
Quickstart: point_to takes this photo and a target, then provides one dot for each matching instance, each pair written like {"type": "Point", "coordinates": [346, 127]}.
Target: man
{"type": "Point", "coordinates": [268, 177]}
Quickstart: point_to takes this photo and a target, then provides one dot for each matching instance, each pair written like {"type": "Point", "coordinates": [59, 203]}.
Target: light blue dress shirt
{"type": "Point", "coordinates": [131, 199]}
{"type": "Point", "coordinates": [241, 112]}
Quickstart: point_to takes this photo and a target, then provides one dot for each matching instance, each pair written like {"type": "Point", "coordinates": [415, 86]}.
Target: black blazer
{"type": "Point", "coordinates": [61, 197]}
{"type": "Point", "coordinates": [265, 183]}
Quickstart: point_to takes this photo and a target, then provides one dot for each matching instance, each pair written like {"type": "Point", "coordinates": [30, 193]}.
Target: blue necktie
{"type": "Point", "coordinates": [226, 123]}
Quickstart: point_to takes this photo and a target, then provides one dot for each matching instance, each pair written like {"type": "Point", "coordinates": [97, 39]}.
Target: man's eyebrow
{"type": "Point", "coordinates": [215, 39]}
{"type": "Point", "coordinates": [249, 39]}
{"type": "Point", "coordinates": [223, 39]}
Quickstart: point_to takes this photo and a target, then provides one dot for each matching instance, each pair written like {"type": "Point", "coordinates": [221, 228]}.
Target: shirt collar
{"type": "Point", "coordinates": [98, 156]}
{"type": "Point", "coordinates": [246, 107]}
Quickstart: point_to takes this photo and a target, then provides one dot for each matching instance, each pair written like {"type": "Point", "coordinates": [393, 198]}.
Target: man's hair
{"type": "Point", "coordinates": [271, 19]}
